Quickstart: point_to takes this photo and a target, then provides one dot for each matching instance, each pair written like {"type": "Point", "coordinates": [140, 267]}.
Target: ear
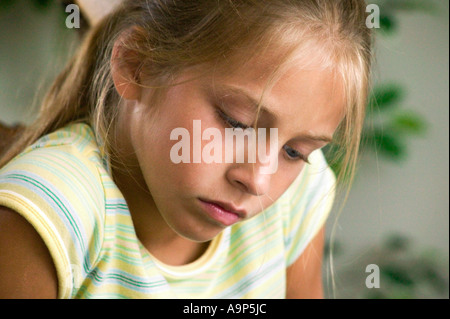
{"type": "Point", "coordinates": [123, 73]}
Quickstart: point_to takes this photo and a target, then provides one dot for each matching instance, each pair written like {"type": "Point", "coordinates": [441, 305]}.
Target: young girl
{"type": "Point", "coordinates": [92, 205]}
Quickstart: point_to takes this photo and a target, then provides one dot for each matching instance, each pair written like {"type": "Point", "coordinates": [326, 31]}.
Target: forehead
{"type": "Point", "coordinates": [294, 91]}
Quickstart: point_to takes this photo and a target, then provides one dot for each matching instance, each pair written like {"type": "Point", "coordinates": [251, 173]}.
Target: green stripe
{"type": "Point", "coordinates": [56, 200]}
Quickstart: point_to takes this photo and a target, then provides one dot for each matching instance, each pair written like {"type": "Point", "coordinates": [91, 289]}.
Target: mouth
{"type": "Point", "coordinates": [224, 213]}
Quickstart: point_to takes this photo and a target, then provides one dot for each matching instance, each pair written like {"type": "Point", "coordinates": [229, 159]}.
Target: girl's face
{"type": "Point", "coordinates": [198, 200]}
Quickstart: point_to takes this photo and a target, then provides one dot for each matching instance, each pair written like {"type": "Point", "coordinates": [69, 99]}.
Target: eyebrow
{"type": "Point", "coordinates": [229, 90]}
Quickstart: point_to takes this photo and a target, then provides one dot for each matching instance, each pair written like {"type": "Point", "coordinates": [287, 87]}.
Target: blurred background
{"type": "Point", "coordinates": [397, 213]}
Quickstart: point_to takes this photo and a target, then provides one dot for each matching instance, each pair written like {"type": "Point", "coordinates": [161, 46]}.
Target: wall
{"type": "Point", "coordinates": [33, 46]}
{"type": "Point", "coordinates": [410, 198]}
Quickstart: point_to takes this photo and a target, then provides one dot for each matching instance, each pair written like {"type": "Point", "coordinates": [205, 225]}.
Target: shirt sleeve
{"type": "Point", "coordinates": [310, 202]}
{"type": "Point", "coordinates": [56, 190]}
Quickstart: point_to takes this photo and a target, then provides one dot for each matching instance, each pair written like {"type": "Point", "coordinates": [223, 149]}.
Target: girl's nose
{"type": "Point", "coordinates": [261, 162]}
{"type": "Point", "coordinates": [249, 178]}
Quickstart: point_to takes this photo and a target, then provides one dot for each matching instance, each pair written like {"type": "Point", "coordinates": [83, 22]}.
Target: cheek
{"type": "Point", "coordinates": [153, 146]}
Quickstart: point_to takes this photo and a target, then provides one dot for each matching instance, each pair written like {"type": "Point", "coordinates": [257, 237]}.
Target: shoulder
{"type": "Point", "coordinates": [67, 159]}
{"type": "Point", "coordinates": [316, 179]}
{"type": "Point", "coordinates": [56, 186]}
{"type": "Point", "coordinates": [59, 172]}
{"type": "Point", "coordinates": [26, 267]}
{"type": "Point", "coordinates": [307, 204]}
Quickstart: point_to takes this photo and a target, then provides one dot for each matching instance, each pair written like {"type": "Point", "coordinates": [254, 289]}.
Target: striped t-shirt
{"type": "Point", "coordinates": [62, 186]}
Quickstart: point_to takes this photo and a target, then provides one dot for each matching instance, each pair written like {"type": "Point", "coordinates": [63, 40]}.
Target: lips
{"type": "Point", "coordinates": [225, 213]}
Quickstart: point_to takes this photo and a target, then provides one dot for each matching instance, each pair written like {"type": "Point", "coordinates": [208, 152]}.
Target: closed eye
{"type": "Point", "coordinates": [230, 121]}
{"type": "Point", "coordinates": [294, 155]}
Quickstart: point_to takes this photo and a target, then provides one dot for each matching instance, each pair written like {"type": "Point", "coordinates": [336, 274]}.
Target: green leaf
{"type": "Point", "coordinates": [396, 242]}
{"type": "Point", "coordinates": [386, 96]}
{"type": "Point", "coordinates": [387, 23]}
{"type": "Point", "coordinates": [408, 122]}
{"type": "Point", "coordinates": [388, 144]}
{"type": "Point", "coordinates": [396, 275]}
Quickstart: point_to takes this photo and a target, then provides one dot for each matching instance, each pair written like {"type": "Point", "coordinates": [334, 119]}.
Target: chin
{"type": "Point", "coordinates": [200, 236]}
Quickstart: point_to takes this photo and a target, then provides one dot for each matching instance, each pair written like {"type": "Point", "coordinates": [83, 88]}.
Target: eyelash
{"type": "Point", "coordinates": [299, 156]}
{"type": "Point", "coordinates": [230, 121]}
{"type": "Point", "coordinates": [236, 124]}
